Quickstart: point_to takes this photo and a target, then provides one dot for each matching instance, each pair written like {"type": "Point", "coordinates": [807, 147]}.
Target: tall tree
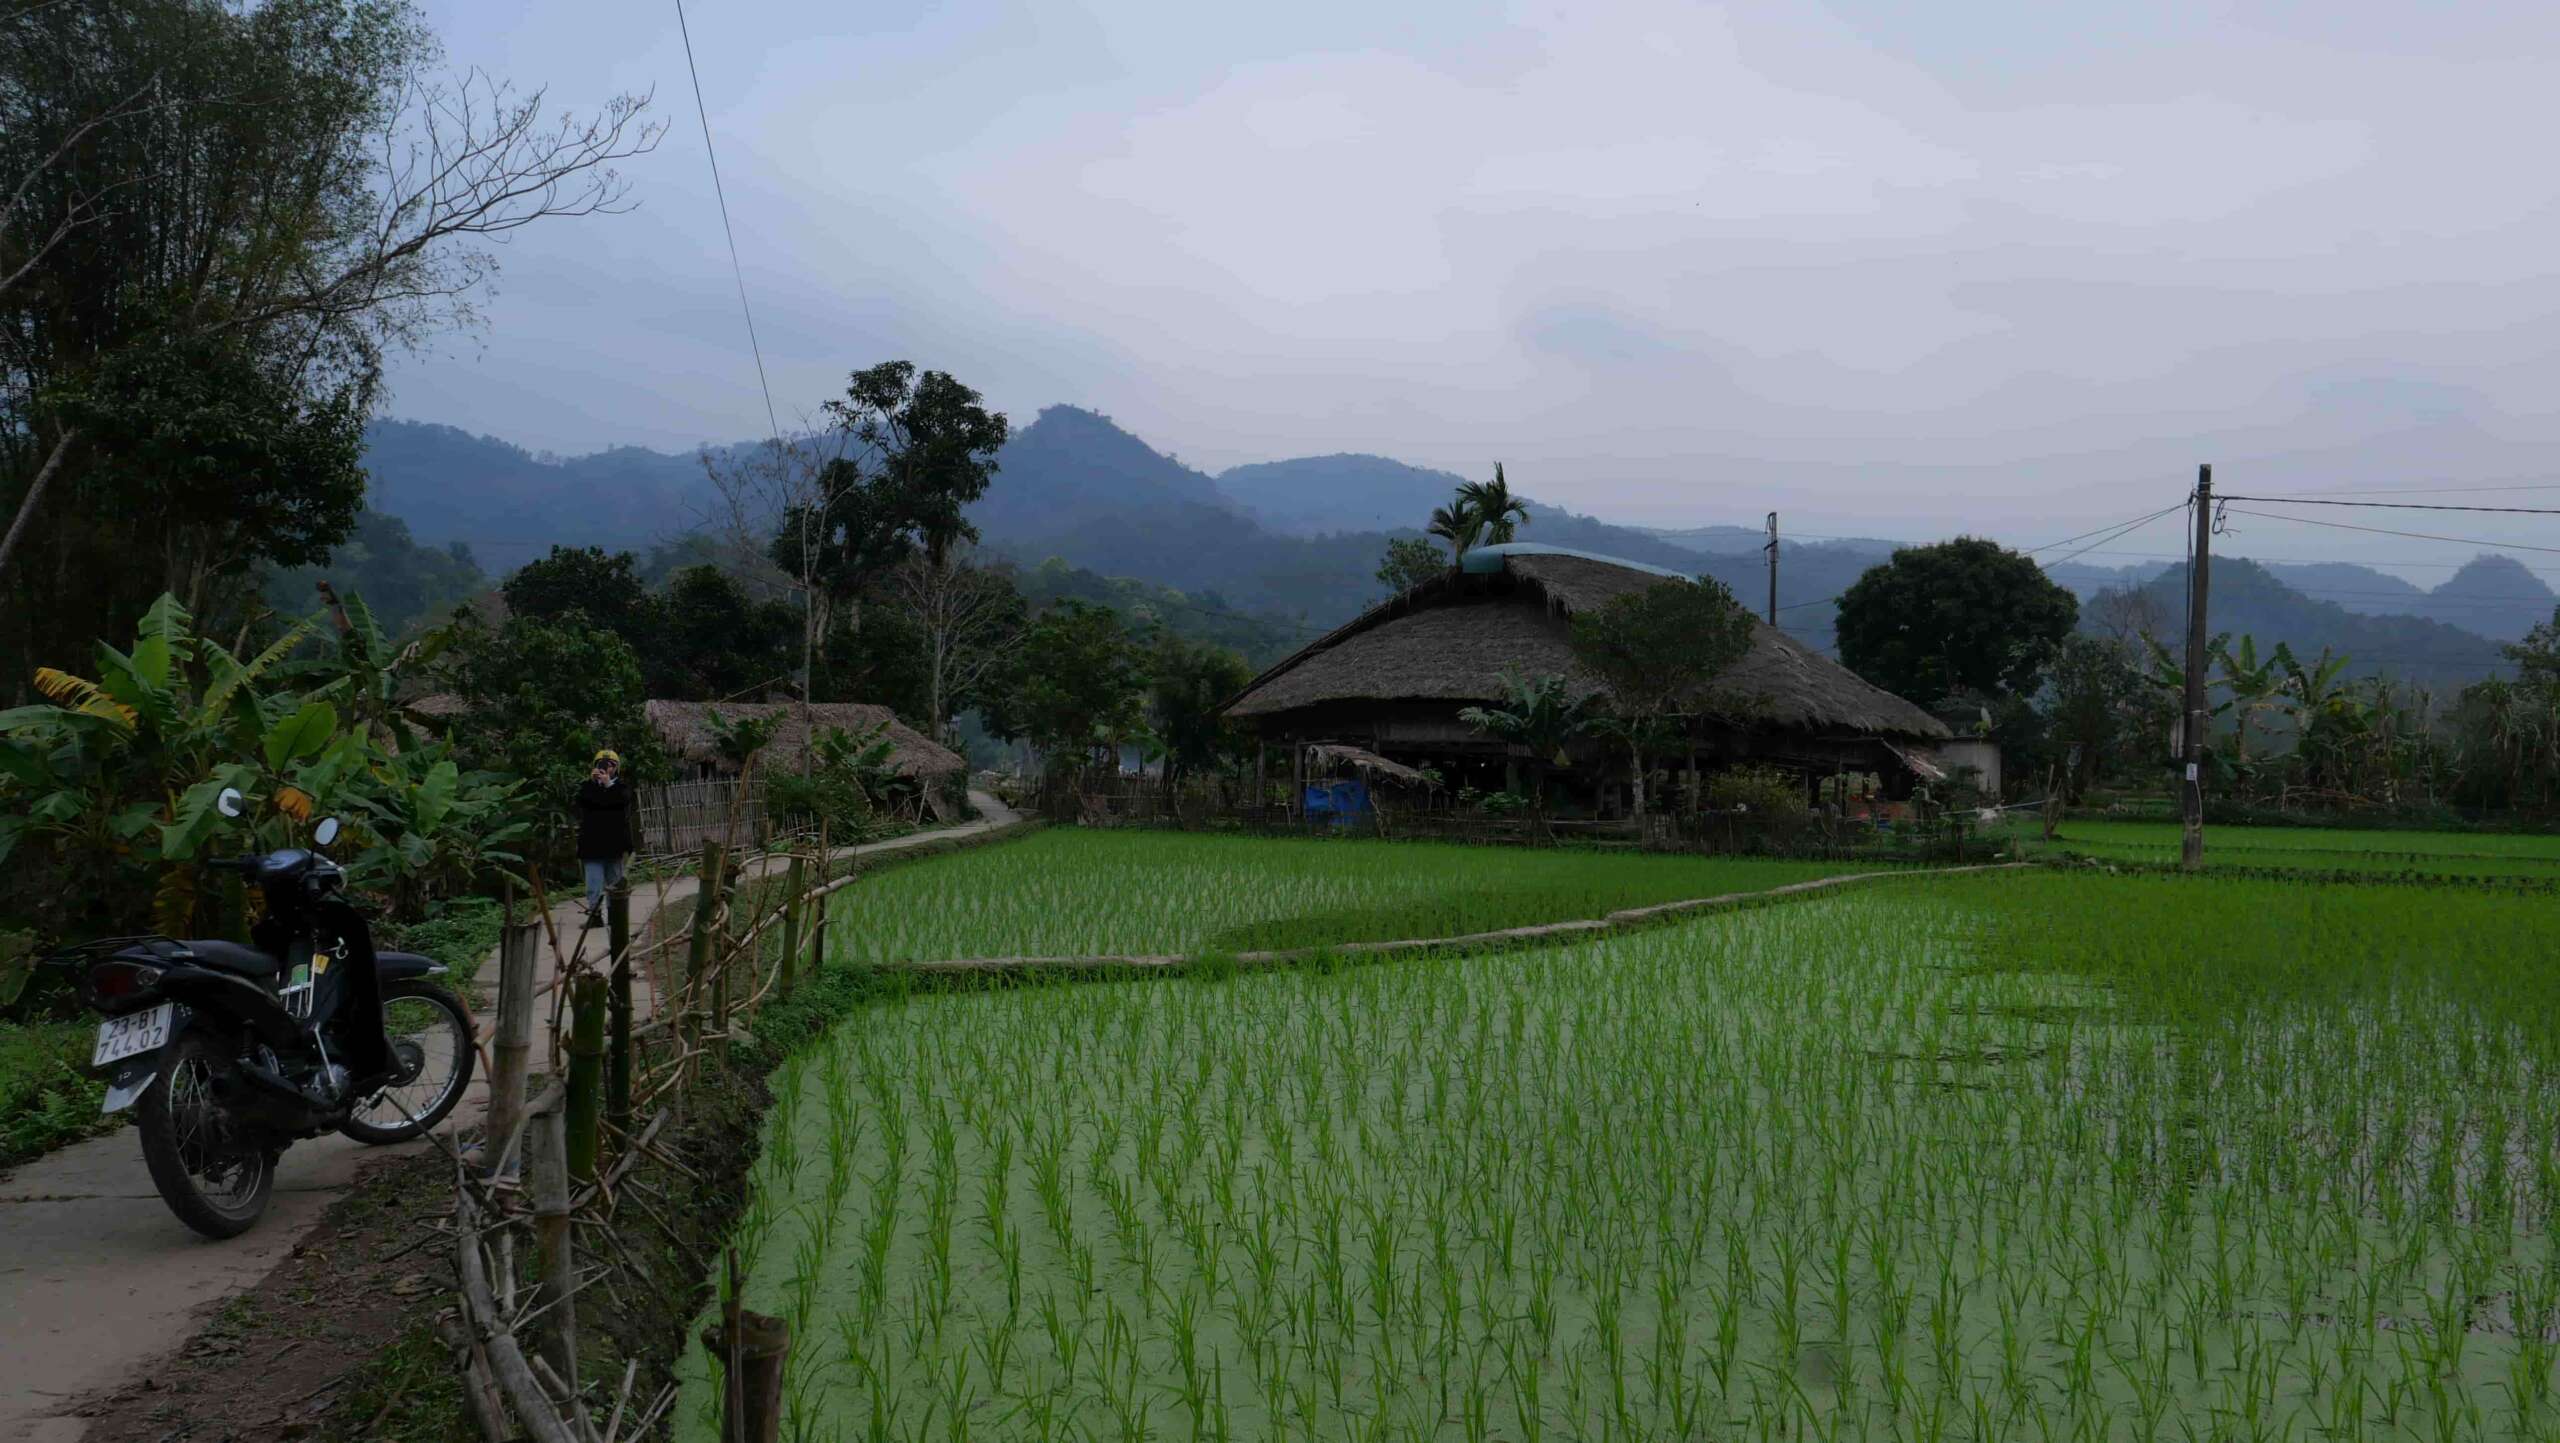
{"type": "Point", "coordinates": [221, 216]}
{"type": "Point", "coordinates": [967, 615]}
{"type": "Point", "coordinates": [1072, 686]}
{"type": "Point", "coordinates": [1458, 524]}
{"type": "Point", "coordinates": [1657, 652]}
{"type": "Point", "coordinates": [1966, 615]}
{"type": "Point", "coordinates": [605, 587]}
{"type": "Point", "coordinates": [1187, 685]}
{"type": "Point", "coordinates": [901, 457]}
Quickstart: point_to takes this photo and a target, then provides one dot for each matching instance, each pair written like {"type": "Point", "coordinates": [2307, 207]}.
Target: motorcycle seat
{"type": "Point", "coordinates": [232, 957]}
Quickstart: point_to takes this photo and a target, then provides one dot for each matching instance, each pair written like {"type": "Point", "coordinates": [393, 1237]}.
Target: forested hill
{"type": "Point", "coordinates": [1262, 553]}
{"type": "Point", "coordinates": [2247, 599]}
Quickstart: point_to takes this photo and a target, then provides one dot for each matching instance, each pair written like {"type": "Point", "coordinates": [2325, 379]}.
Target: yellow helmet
{"type": "Point", "coordinates": [608, 755]}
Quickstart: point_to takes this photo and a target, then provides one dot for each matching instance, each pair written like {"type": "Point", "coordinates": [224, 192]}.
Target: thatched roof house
{"type": "Point", "coordinates": [684, 728]}
{"type": "Point", "coordinates": [1393, 678]}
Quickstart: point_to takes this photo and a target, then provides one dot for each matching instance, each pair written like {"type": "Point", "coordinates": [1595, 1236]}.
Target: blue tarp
{"type": "Point", "coordinates": [1343, 802]}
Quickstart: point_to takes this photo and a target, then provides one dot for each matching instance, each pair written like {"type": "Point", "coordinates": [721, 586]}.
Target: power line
{"type": "Point", "coordinates": [2400, 505]}
{"type": "Point", "coordinates": [2386, 531]}
{"type": "Point", "coordinates": [722, 192]}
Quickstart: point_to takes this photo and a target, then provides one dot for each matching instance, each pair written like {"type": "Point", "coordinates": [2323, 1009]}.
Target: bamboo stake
{"type": "Point", "coordinates": [617, 1087]}
{"type": "Point", "coordinates": [511, 1055]}
{"type": "Point", "coordinates": [547, 1171]}
{"type": "Point", "coordinates": [586, 1073]}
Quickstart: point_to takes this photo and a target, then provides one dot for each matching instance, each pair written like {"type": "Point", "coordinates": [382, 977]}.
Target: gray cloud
{"type": "Point", "coordinates": [1886, 268]}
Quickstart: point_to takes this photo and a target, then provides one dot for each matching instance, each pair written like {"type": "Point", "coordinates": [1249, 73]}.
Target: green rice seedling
{"type": "Point", "coordinates": [2010, 1156]}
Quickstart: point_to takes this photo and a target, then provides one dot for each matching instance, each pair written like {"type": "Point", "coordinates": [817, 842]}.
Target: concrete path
{"type": "Point", "coordinates": [97, 1278]}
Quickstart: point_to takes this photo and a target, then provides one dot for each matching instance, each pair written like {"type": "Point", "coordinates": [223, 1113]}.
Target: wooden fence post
{"type": "Point", "coordinates": [797, 880]}
{"type": "Point", "coordinates": [547, 1173]}
{"type": "Point", "coordinates": [697, 951]}
{"type": "Point", "coordinates": [617, 1073]}
{"type": "Point", "coordinates": [511, 1051]}
{"type": "Point", "coordinates": [586, 1073]}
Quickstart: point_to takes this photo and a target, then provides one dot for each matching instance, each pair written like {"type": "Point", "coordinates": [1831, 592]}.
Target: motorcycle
{"type": "Point", "coordinates": [307, 1030]}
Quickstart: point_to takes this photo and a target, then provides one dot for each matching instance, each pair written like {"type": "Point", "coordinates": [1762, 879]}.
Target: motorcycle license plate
{"type": "Point", "coordinates": [123, 1037]}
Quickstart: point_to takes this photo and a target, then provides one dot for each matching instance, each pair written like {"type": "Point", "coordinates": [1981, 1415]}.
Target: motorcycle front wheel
{"type": "Point", "coordinates": [431, 1045]}
{"type": "Point", "coordinates": [214, 1173]}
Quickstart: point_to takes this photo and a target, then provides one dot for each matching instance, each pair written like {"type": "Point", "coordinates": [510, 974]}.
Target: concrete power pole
{"type": "Point", "coordinates": [1772, 549]}
{"type": "Point", "coordinates": [2199, 574]}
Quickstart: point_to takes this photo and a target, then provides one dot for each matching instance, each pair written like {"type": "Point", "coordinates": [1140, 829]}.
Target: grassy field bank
{"type": "Point", "coordinates": [2312, 849]}
{"type": "Point", "coordinates": [2016, 1156]}
{"type": "Point", "coordinates": [1071, 892]}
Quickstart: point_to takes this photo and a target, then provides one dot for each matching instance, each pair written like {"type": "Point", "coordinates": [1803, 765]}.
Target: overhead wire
{"type": "Point", "coordinates": [721, 191]}
{"type": "Point", "coordinates": [2388, 531]}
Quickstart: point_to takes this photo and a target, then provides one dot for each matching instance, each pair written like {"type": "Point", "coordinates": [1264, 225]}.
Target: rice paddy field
{"type": "Point", "coordinates": [2017, 1155]}
{"type": "Point", "coordinates": [1064, 892]}
{"type": "Point", "coordinates": [2316, 849]}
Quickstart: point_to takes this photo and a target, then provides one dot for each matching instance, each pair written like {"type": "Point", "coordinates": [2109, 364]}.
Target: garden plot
{"type": "Point", "coordinates": [2011, 1156]}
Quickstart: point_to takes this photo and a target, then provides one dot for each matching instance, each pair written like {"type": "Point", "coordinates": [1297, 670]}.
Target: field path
{"type": "Point", "coordinates": [97, 1279]}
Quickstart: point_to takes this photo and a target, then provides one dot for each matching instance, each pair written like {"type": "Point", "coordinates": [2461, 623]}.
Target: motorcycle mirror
{"type": "Point", "coordinates": [325, 833]}
{"type": "Point", "coordinates": [230, 802]}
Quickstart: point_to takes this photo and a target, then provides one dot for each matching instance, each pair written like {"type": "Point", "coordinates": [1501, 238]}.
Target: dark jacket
{"type": "Point", "coordinates": [608, 820]}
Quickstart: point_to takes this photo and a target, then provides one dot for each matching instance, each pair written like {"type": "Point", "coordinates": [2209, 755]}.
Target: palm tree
{"type": "Point", "coordinates": [1457, 524]}
{"type": "Point", "coordinates": [1496, 510]}
{"type": "Point", "coordinates": [1540, 716]}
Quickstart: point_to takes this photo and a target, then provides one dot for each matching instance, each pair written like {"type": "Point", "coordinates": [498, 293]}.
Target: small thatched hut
{"type": "Point", "coordinates": [1393, 679]}
{"type": "Point", "coordinates": [684, 728]}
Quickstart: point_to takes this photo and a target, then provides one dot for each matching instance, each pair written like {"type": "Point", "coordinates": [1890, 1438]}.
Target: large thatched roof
{"type": "Point", "coordinates": [1452, 639]}
{"type": "Point", "coordinates": [684, 727]}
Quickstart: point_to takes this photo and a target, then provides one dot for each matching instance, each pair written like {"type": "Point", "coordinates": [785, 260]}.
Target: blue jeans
{"type": "Point", "coordinates": [602, 872]}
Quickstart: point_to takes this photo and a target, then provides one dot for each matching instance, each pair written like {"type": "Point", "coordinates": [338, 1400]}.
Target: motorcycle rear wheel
{"type": "Point", "coordinates": [212, 1172]}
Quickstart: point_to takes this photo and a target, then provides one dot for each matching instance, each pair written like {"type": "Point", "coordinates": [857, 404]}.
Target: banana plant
{"type": "Point", "coordinates": [2254, 686]}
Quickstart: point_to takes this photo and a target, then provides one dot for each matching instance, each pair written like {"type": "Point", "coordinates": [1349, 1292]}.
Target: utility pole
{"type": "Point", "coordinates": [2199, 572]}
{"type": "Point", "coordinates": [1772, 549]}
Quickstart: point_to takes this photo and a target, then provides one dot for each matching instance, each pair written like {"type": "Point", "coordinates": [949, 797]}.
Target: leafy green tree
{"type": "Point", "coordinates": [1072, 686]}
{"type": "Point", "coordinates": [714, 642]}
{"type": "Point", "coordinates": [1955, 616]}
{"type": "Point", "coordinates": [216, 220]}
{"type": "Point", "coordinates": [2094, 700]}
{"type": "Point", "coordinates": [1187, 686]}
{"type": "Point", "coordinates": [1409, 562]}
{"type": "Point", "coordinates": [540, 698]}
{"type": "Point", "coordinates": [1656, 652]}
{"type": "Point", "coordinates": [1540, 716]}
{"type": "Point", "coordinates": [604, 588]}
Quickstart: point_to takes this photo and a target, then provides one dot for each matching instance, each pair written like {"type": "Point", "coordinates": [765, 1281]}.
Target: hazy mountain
{"type": "Point", "coordinates": [1262, 553]}
{"type": "Point", "coordinates": [2249, 599]}
{"type": "Point", "coordinates": [510, 505]}
{"type": "Point", "coordinates": [1315, 495]}
{"type": "Point", "coordinates": [2495, 596]}
{"type": "Point", "coordinates": [1354, 495]}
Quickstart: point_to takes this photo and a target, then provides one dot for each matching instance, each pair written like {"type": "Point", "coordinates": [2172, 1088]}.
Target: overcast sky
{"type": "Point", "coordinates": [1891, 269]}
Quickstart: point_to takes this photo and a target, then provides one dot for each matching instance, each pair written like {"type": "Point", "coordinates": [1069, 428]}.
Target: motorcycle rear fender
{"type": "Point", "coordinates": [204, 990]}
{"type": "Point", "coordinates": [129, 1079]}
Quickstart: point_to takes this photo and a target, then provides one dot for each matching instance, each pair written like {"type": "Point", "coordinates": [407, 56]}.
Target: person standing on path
{"type": "Point", "coordinates": [608, 816]}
